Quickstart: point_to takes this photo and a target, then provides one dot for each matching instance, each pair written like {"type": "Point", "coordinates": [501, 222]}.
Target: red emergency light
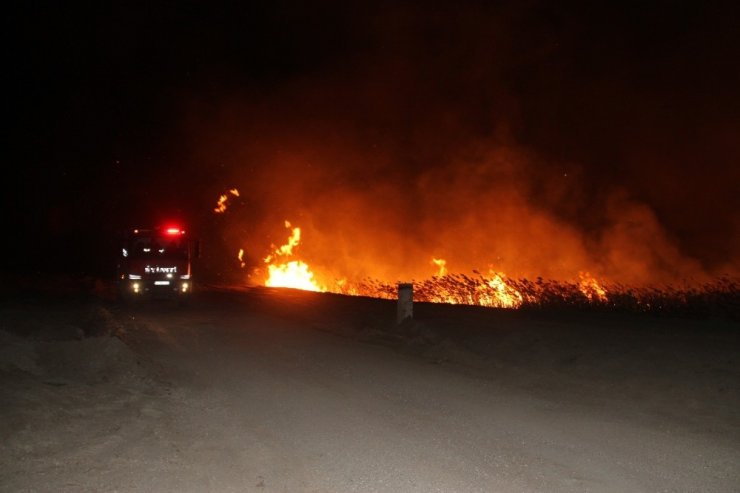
{"type": "Point", "coordinates": [175, 231]}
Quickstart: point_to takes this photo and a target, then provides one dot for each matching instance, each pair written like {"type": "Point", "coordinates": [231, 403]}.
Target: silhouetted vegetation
{"type": "Point", "coordinates": [720, 297]}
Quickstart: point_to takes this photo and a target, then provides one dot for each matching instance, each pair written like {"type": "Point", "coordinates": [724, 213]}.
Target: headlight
{"type": "Point", "coordinates": [135, 286]}
{"type": "Point", "coordinates": [184, 287]}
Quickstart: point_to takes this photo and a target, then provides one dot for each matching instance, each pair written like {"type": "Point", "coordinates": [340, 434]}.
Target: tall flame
{"type": "Point", "coordinates": [293, 273]}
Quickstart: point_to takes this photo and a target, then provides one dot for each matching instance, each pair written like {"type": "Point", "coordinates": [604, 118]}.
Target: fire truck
{"type": "Point", "coordinates": [157, 263]}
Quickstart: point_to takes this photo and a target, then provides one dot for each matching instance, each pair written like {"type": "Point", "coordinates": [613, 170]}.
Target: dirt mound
{"type": "Point", "coordinates": [89, 361]}
{"type": "Point", "coordinates": [64, 342]}
{"type": "Point", "coordinates": [59, 320]}
{"type": "Point", "coordinates": [94, 360]}
{"type": "Point", "coordinates": [17, 354]}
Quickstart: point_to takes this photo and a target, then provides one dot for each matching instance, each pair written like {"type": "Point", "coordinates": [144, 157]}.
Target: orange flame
{"type": "Point", "coordinates": [591, 288]}
{"type": "Point", "coordinates": [442, 264]}
{"type": "Point", "coordinates": [493, 290]}
{"type": "Point", "coordinates": [291, 274]}
{"type": "Point", "coordinates": [498, 293]}
{"type": "Point", "coordinates": [221, 204]}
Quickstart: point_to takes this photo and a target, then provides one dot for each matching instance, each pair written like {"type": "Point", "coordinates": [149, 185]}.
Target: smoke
{"type": "Point", "coordinates": [471, 135]}
{"type": "Point", "coordinates": [366, 213]}
{"type": "Point", "coordinates": [637, 250]}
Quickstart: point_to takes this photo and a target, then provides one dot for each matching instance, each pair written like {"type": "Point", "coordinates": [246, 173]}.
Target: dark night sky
{"type": "Point", "coordinates": [121, 112]}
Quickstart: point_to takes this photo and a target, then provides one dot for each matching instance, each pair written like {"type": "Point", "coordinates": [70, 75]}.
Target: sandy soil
{"type": "Point", "coordinates": [277, 390]}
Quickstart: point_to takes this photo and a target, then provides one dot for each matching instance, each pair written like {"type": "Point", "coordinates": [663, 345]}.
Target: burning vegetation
{"type": "Point", "coordinates": [284, 273]}
{"type": "Point", "coordinates": [285, 266]}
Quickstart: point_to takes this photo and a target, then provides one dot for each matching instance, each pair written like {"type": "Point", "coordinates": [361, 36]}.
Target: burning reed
{"type": "Point", "coordinates": [718, 298]}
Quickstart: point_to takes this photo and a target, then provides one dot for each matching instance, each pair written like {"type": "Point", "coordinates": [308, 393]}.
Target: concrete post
{"type": "Point", "coordinates": [405, 302]}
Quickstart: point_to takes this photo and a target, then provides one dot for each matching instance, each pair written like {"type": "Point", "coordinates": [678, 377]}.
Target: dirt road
{"type": "Point", "coordinates": [259, 391]}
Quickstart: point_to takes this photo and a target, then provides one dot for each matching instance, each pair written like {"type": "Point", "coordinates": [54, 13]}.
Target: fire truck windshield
{"type": "Point", "coordinates": [159, 247]}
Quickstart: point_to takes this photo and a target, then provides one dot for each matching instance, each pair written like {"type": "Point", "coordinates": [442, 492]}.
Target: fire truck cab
{"type": "Point", "coordinates": [156, 263]}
